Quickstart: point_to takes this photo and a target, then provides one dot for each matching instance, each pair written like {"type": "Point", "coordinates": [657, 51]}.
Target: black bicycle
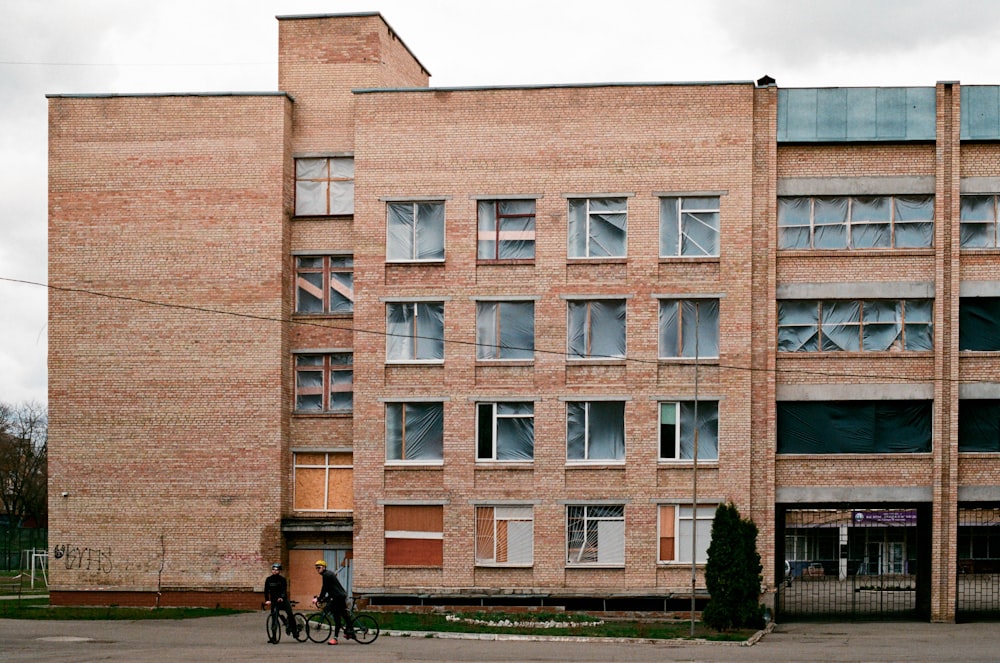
{"type": "Point", "coordinates": [360, 626]}
{"type": "Point", "coordinates": [277, 621]}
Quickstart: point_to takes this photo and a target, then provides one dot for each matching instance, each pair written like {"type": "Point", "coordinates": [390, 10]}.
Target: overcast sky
{"type": "Point", "coordinates": [135, 46]}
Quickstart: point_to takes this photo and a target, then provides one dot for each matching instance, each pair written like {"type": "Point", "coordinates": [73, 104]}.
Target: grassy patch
{"type": "Point", "coordinates": [39, 608]}
{"type": "Point", "coordinates": [578, 625]}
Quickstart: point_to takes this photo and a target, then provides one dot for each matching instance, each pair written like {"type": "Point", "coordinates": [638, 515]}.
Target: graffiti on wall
{"type": "Point", "coordinates": [84, 559]}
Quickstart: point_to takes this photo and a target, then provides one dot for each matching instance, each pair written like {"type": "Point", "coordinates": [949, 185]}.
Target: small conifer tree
{"type": "Point", "coordinates": [733, 573]}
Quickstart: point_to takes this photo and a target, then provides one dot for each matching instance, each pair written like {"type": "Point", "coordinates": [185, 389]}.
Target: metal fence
{"type": "Point", "coordinates": [14, 541]}
{"type": "Point", "coordinates": [978, 582]}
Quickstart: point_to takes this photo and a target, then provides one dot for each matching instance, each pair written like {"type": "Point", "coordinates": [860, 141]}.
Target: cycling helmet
{"type": "Point", "coordinates": [320, 563]}
{"type": "Point", "coordinates": [276, 565]}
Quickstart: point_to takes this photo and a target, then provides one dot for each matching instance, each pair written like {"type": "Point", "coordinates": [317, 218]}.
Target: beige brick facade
{"type": "Point", "coordinates": [175, 334]}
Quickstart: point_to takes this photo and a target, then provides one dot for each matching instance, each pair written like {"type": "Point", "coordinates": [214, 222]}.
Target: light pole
{"type": "Point", "coordinates": [694, 473]}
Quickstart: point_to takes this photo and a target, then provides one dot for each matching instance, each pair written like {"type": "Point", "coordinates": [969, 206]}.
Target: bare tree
{"type": "Point", "coordinates": [24, 462]}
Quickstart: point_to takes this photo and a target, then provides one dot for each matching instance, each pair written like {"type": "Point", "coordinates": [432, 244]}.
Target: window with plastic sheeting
{"type": "Point", "coordinates": [595, 430]}
{"type": "Point", "coordinates": [414, 432]}
{"type": "Point", "coordinates": [505, 330]}
{"type": "Point", "coordinates": [414, 331]}
{"type": "Point", "coordinates": [595, 535]}
{"type": "Point", "coordinates": [979, 222]}
{"type": "Point", "coordinates": [324, 186]}
{"type": "Point", "coordinates": [689, 226]}
{"type": "Point", "coordinates": [598, 227]}
{"type": "Point", "coordinates": [677, 429]}
{"type": "Point", "coordinates": [979, 424]}
{"type": "Point", "coordinates": [324, 284]}
{"type": "Point", "coordinates": [855, 222]}
{"type": "Point", "coordinates": [875, 325]}
{"type": "Point", "coordinates": [854, 427]}
{"type": "Point", "coordinates": [506, 230]}
{"type": "Point", "coordinates": [979, 324]}
{"type": "Point", "coordinates": [414, 535]}
{"type": "Point", "coordinates": [415, 231]}
{"type": "Point", "coordinates": [595, 329]}
{"type": "Point", "coordinates": [324, 383]}
{"type": "Point", "coordinates": [324, 481]}
{"type": "Point", "coordinates": [505, 535]}
{"type": "Point", "coordinates": [678, 525]}
{"type": "Point", "coordinates": [505, 431]}
{"type": "Point", "coordinates": [689, 328]}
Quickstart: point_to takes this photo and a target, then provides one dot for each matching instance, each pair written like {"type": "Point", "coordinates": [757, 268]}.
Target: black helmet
{"type": "Point", "coordinates": [276, 565]}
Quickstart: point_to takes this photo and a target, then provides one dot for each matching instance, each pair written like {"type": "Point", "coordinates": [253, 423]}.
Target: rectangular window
{"type": "Point", "coordinates": [875, 325]}
{"type": "Point", "coordinates": [595, 535]}
{"type": "Point", "coordinates": [979, 222]}
{"type": "Point", "coordinates": [853, 427]}
{"type": "Point", "coordinates": [414, 432]}
{"type": "Point", "coordinates": [324, 382]}
{"type": "Point", "coordinates": [855, 222]}
{"type": "Point", "coordinates": [505, 431]}
{"type": "Point", "coordinates": [595, 430]}
{"type": "Point", "coordinates": [324, 481]}
{"type": "Point", "coordinates": [689, 227]}
{"type": "Point", "coordinates": [689, 328]}
{"type": "Point", "coordinates": [595, 329]}
{"type": "Point", "coordinates": [678, 526]}
{"type": "Point", "coordinates": [979, 425]}
{"type": "Point", "coordinates": [415, 231]}
{"type": "Point", "coordinates": [598, 227]}
{"type": "Point", "coordinates": [505, 535]}
{"type": "Point", "coordinates": [414, 535]}
{"type": "Point", "coordinates": [414, 331]}
{"type": "Point", "coordinates": [677, 428]}
{"type": "Point", "coordinates": [324, 186]}
{"type": "Point", "coordinates": [506, 230]}
{"type": "Point", "coordinates": [505, 330]}
{"type": "Point", "coordinates": [324, 284]}
{"type": "Point", "coordinates": [979, 324]}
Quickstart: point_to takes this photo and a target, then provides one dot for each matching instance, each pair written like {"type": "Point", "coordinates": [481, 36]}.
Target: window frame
{"type": "Point", "coordinates": [966, 222]}
{"type": "Point", "coordinates": [681, 423]}
{"type": "Point", "coordinates": [410, 345]}
{"type": "Point", "coordinates": [492, 420]}
{"type": "Point", "coordinates": [695, 215]}
{"type": "Point", "coordinates": [326, 182]}
{"type": "Point", "coordinates": [854, 224]}
{"type": "Point", "coordinates": [490, 334]}
{"type": "Point", "coordinates": [693, 306]}
{"type": "Point", "coordinates": [492, 534]}
{"type": "Point", "coordinates": [909, 333]}
{"type": "Point", "coordinates": [500, 237]}
{"type": "Point", "coordinates": [584, 547]}
{"type": "Point", "coordinates": [327, 466]}
{"type": "Point", "coordinates": [328, 369]}
{"type": "Point", "coordinates": [588, 333]}
{"type": "Point", "coordinates": [332, 265]}
{"type": "Point", "coordinates": [680, 547]}
{"type": "Point", "coordinates": [406, 410]}
{"type": "Point", "coordinates": [410, 252]}
{"type": "Point", "coordinates": [587, 218]}
{"type": "Point", "coordinates": [587, 434]}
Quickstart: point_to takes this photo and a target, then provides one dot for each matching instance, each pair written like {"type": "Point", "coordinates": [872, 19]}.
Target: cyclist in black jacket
{"type": "Point", "coordinates": [335, 597]}
{"type": "Point", "coordinates": [276, 594]}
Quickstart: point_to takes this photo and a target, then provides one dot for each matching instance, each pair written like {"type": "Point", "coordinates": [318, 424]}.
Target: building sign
{"type": "Point", "coordinates": [894, 517]}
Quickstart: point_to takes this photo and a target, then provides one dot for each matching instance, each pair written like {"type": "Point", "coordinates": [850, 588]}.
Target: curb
{"type": "Point", "coordinates": [449, 635]}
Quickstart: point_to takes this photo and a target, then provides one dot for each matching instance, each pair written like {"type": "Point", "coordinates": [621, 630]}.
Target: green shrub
{"type": "Point", "coordinates": [733, 573]}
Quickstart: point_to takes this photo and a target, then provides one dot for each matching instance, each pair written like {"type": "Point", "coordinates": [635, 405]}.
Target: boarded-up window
{"type": "Point", "coordinates": [677, 527]}
{"type": "Point", "coordinates": [414, 535]}
{"type": "Point", "coordinates": [504, 535]}
{"type": "Point", "coordinates": [324, 481]}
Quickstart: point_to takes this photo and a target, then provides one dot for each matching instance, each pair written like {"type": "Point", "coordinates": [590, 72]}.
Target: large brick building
{"type": "Point", "coordinates": [465, 342]}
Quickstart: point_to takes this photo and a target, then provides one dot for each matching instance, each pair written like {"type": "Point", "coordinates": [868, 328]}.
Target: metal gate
{"type": "Point", "coordinates": [854, 563]}
{"type": "Point", "coordinates": [978, 594]}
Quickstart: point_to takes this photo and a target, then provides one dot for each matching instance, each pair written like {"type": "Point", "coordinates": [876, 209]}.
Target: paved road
{"type": "Point", "coordinates": [241, 638]}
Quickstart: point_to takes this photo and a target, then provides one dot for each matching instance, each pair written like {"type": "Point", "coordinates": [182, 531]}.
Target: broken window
{"type": "Point", "coordinates": [598, 227]}
{"type": "Point", "coordinates": [324, 284]}
{"type": "Point", "coordinates": [414, 535]}
{"type": "Point", "coordinates": [979, 324]}
{"type": "Point", "coordinates": [505, 431]}
{"type": "Point", "coordinates": [877, 325]}
{"type": "Point", "coordinates": [595, 535]}
{"type": "Point", "coordinates": [596, 329]}
{"type": "Point", "coordinates": [414, 432]}
{"type": "Point", "coordinates": [678, 524]}
{"type": "Point", "coordinates": [595, 430]}
{"type": "Point", "coordinates": [324, 382]}
{"type": "Point", "coordinates": [677, 428]}
{"type": "Point", "coordinates": [505, 535]}
{"type": "Point", "coordinates": [506, 230]}
{"type": "Point", "coordinates": [689, 328]}
{"type": "Point", "coordinates": [855, 222]}
{"type": "Point", "coordinates": [979, 222]}
{"type": "Point", "coordinates": [414, 331]}
{"type": "Point", "coordinates": [505, 330]}
{"type": "Point", "coordinates": [689, 226]}
{"type": "Point", "coordinates": [853, 427]}
{"type": "Point", "coordinates": [415, 231]}
{"type": "Point", "coordinates": [324, 481]}
{"type": "Point", "coordinates": [324, 186]}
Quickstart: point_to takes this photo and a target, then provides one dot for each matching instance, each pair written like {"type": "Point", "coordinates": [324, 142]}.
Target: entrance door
{"type": "Point", "coordinates": [873, 558]}
{"type": "Point", "coordinates": [895, 558]}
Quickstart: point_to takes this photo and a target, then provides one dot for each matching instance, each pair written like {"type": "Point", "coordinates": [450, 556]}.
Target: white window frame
{"type": "Point", "coordinates": [588, 433]}
{"type": "Point", "coordinates": [687, 211]}
{"type": "Point", "coordinates": [493, 422]}
{"type": "Point", "coordinates": [680, 408]}
{"type": "Point", "coordinates": [581, 221]}
{"type": "Point", "coordinates": [408, 348]}
{"type": "Point", "coordinates": [683, 515]}
{"type": "Point", "coordinates": [419, 224]}
{"type": "Point", "coordinates": [499, 537]}
{"type": "Point", "coordinates": [610, 529]}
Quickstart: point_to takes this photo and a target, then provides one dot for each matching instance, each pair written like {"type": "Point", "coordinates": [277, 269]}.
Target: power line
{"type": "Point", "coordinates": [27, 63]}
{"type": "Point", "coordinates": [358, 330]}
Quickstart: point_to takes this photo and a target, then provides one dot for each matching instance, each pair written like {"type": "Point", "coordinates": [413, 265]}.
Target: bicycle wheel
{"type": "Point", "coordinates": [320, 627]}
{"type": "Point", "coordinates": [365, 629]}
{"type": "Point", "coordinates": [301, 627]}
{"type": "Point", "coordinates": [273, 629]}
